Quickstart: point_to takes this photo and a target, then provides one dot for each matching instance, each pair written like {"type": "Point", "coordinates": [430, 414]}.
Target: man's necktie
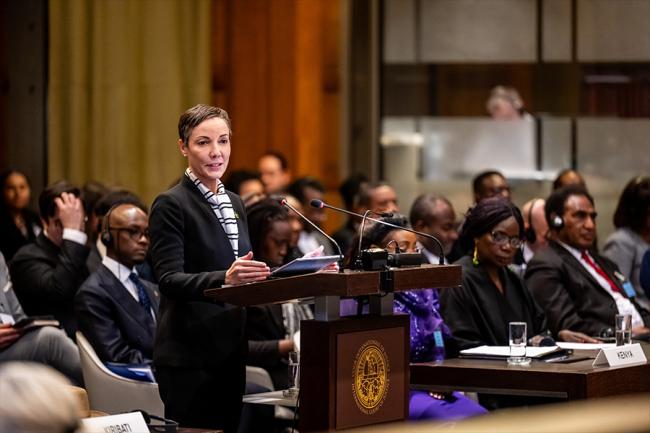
{"type": "Point", "coordinates": [600, 271]}
{"type": "Point", "coordinates": [142, 293]}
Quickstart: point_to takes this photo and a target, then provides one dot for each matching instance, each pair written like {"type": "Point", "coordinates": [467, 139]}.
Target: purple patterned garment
{"type": "Point", "coordinates": [428, 330]}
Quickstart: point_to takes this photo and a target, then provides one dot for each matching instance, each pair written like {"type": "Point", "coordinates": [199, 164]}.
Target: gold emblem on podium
{"type": "Point", "coordinates": [370, 377]}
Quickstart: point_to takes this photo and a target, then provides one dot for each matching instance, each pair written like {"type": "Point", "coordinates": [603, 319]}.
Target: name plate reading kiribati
{"type": "Point", "coordinates": [132, 422]}
{"type": "Point", "coordinates": [370, 377]}
{"type": "Point", "coordinates": [620, 355]}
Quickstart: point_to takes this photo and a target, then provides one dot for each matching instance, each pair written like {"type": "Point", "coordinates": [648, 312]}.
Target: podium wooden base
{"type": "Point", "coordinates": [353, 372]}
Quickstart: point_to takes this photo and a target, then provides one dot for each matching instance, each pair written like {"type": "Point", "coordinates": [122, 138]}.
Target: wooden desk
{"type": "Point", "coordinates": [573, 381]}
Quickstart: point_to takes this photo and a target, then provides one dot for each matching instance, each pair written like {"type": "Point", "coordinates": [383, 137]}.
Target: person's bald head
{"type": "Point", "coordinates": [535, 219]}
{"type": "Point", "coordinates": [128, 226]}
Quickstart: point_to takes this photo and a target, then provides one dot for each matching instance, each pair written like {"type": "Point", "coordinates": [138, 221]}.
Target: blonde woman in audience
{"type": "Point", "coordinates": [36, 399]}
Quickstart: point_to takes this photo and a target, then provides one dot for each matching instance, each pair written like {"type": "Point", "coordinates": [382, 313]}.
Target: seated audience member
{"type": "Point", "coordinates": [36, 399]}
{"type": "Point", "coordinates": [488, 184]}
{"type": "Point", "coordinates": [305, 190]}
{"type": "Point", "coordinates": [434, 215]}
{"type": "Point", "coordinates": [349, 191]}
{"type": "Point", "coordinates": [568, 177]}
{"type": "Point", "coordinates": [46, 345]}
{"type": "Point", "coordinates": [19, 225]}
{"type": "Point", "coordinates": [627, 245]}
{"type": "Point", "coordinates": [505, 103]}
{"type": "Point", "coordinates": [578, 288]}
{"type": "Point", "coordinates": [378, 197]}
{"type": "Point", "coordinates": [116, 310]}
{"type": "Point", "coordinates": [247, 184]}
{"type": "Point", "coordinates": [270, 328]}
{"type": "Point", "coordinates": [102, 205]}
{"type": "Point", "coordinates": [644, 275]}
{"type": "Point", "coordinates": [430, 339]}
{"type": "Point", "coordinates": [274, 171]}
{"type": "Point", "coordinates": [47, 274]}
{"type": "Point", "coordinates": [535, 234]}
{"type": "Point", "coordinates": [491, 294]}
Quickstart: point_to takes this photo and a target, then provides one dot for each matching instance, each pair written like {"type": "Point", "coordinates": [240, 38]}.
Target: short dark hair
{"type": "Point", "coordinates": [477, 182]}
{"type": "Point", "coordinates": [297, 188]}
{"type": "Point", "coordinates": [194, 116]}
{"type": "Point", "coordinates": [113, 198]}
{"type": "Point", "coordinates": [350, 188]}
{"type": "Point", "coordinates": [46, 205]}
{"type": "Point", "coordinates": [485, 215]}
{"type": "Point", "coordinates": [365, 194]}
{"type": "Point", "coordinates": [238, 177]}
{"type": "Point", "coordinates": [555, 202]}
{"type": "Point", "coordinates": [422, 206]}
{"type": "Point", "coordinates": [280, 157]}
{"type": "Point", "coordinates": [260, 216]}
{"type": "Point", "coordinates": [633, 205]}
{"type": "Point", "coordinates": [92, 191]}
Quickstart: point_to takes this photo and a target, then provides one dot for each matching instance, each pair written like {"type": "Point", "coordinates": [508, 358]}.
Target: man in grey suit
{"type": "Point", "coordinates": [47, 345]}
{"type": "Point", "coordinates": [115, 309]}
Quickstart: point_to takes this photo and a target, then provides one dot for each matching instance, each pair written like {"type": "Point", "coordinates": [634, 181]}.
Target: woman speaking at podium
{"type": "Point", "coordinates": [199, 240]}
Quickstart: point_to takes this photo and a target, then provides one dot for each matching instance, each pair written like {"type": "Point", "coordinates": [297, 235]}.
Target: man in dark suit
{"type": "Point", "coordinates": [434, 215]}
{"type": "Point", "coordinates": [115, 309]}
{"type": "Point", "coordinates": [578, 288]}
{"type": "Point", "coordinates": [47, 274]}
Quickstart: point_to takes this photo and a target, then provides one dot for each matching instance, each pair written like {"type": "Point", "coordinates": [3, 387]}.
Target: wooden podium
{"type": "Point", "coordinates": [354, 371]}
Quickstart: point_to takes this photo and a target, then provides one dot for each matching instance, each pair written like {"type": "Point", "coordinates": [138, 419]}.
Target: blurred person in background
{"type": "Point", "coordinates": [248, 184]}
{"type": "Point", "coordinates": [305, 190]}
{"type": "Point", "coordinates": [19, 225]}
{"type": "Point", "coordinates": [349, 190]}
{"type": "Point", "coordinates": [568, 176]}
{"type": "Point", "coordinates": [434, 215]}
{"type": "Point", "coordinates": [274, 171]}
{"type": "Point", "coordinates": [627, 245]}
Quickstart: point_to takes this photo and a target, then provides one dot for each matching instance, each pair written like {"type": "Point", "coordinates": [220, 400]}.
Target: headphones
{"type": "Point", "coordinates": [106, 237]}
{"type": "Point", "coordinates": [557, 222]}
{"type": "Point", "coordinates": [529, 233]}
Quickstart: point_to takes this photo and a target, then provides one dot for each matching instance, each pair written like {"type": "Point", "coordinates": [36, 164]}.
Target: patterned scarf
{"type": "Point", "coordinates": [222, 208]}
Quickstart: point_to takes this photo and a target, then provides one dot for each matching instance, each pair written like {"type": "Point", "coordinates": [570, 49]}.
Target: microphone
{"type": "Point", "coordinates": [320, 204]}
{"type": "Point", "coordinates": [283, 201]}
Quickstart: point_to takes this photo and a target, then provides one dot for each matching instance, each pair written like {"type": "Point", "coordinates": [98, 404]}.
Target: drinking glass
{"type": "Point", "coordinates": [517, 337]}
{"type": "Point", "coordinates": [623, 329]}
{"type": "Point", "coordinates": [294, 375]}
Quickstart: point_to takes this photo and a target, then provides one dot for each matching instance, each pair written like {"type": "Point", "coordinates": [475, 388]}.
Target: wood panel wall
{"type": "Point", "coordinates": [276, 70]}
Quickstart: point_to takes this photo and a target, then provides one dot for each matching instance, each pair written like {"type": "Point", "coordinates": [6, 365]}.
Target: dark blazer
{"type": "Point", "coordinates": [477, 313]}
{"type": "Point", "coordinates": [46, 278]}
{"type": "Point", "coordinates": [12, 238]}
{"type": "Point", "coordinates": [264, 329]}
{"type": "Point", "coordinates": [114, 323]}
{"type": "Point", "coordinates": [191, 253]}
{"type": "Point", "coordinates": [570, 296]}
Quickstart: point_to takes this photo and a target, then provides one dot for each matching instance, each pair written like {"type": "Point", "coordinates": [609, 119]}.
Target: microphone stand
{"type": "Point", "coordinates": [284, 202]}
{"type": "Point", "coordinates": [321, 204]}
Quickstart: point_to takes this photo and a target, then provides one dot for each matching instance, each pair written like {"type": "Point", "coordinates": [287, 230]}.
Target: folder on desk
{"type": "Point", "coordinates": [502, 352]}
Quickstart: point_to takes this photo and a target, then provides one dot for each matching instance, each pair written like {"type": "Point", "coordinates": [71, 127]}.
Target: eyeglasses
{"type": "Point", "coordinates": [502, 239]}
{"type": "Point", "coordinates": [134, 234]}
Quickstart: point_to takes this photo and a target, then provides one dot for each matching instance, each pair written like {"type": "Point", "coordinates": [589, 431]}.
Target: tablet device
{"type": "Point", "coordinates": [304, 265]}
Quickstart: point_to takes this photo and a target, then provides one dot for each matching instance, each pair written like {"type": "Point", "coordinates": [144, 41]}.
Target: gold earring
{"type": "Point", "coordinates": [475, 258]}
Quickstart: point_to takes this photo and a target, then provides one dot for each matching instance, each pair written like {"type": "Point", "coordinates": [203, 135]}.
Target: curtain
{"type": "Point", "coordinates": [120, 74]}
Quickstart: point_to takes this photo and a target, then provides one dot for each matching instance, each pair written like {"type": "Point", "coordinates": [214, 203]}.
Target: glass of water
{"type": "Point", "coordinates": [517, 338]}
{"type": "Point", "coordinates": [623, 329]}
{"type": "Point", "coordinates": [294, 375]}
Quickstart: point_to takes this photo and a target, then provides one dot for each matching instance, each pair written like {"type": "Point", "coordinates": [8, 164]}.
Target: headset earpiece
{"type": "Point", "coordinates": [106, 237]}
{"type": "Point", "coordinates": [557, 222]}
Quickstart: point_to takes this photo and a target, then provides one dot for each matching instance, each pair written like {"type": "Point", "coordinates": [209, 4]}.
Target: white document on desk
{"type": "Point", "coordinates": [585, 346]}
{"type": "Point", "coordinates": [504, 351]}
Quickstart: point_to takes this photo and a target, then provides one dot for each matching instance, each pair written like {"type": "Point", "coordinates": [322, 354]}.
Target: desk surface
{"type": "Point", "coordinates": [571, 381]}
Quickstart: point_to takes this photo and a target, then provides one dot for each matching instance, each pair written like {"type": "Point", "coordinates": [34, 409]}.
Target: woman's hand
{"type": "Point", "coordinates": [246, 270]}
{"type": "Point", "coordinates": [8, 335]}
{"type": "Point", "coordinates": [575, 337]}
